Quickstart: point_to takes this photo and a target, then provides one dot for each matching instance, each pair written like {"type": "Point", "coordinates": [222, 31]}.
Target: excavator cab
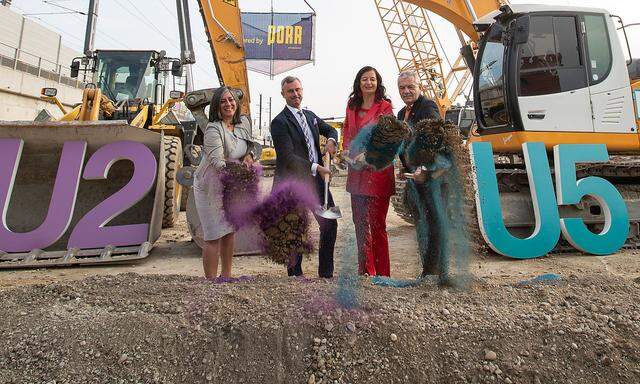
{"type": "Point", "coordinates": [554, 75]}
{"type": "Point", "coordinates": [125, 75]}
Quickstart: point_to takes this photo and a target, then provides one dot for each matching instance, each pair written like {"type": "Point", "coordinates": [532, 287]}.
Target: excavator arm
{"type": "Point", "coordinates": [223, 26]}
{"type": "Point", "coordinates": [460, 13]}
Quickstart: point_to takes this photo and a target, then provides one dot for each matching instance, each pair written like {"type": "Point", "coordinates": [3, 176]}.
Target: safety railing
{"type": "Point", "coordinates": [24, 61]}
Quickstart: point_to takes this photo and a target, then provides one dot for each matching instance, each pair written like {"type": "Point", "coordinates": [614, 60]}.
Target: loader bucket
{"type": "Point", "coordinates": [38, 168]}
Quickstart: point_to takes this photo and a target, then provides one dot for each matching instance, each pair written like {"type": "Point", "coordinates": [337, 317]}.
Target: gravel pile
{"type": "Point", "coordinates": [174, 329]}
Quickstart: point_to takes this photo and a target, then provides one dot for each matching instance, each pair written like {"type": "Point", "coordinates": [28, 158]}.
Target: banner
{"type": "Point", "coordinates": [278, 42]}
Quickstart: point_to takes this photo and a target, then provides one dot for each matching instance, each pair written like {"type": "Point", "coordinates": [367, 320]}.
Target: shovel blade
{"type": "Point", "coordinates": [332, 213]}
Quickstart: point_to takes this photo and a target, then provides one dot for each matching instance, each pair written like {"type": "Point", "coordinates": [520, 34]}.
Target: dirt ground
{"type": "Point", "coordinates": [159, 321]}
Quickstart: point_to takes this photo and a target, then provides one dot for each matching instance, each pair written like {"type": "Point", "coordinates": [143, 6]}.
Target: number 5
{"type": "Point", "coordinates": [570, 191]}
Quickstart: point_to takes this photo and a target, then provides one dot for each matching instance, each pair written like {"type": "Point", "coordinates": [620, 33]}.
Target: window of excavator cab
{"type": "Point", "coordinates": [125, 75]}
{"type": "Point", "coordinates": [491, 90]}
{"type": "Point", "coordinates": [598, 47]}
{"type": "Point", "coordinates": [551, 60]}
{"type": "Point", "coordinates": [148, 83]}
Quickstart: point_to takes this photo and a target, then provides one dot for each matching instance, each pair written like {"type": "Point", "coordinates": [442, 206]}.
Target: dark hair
{"type": "Point", "coordinates": [214, 107]}
{"type": "Point", "coordinates": [356, 99]}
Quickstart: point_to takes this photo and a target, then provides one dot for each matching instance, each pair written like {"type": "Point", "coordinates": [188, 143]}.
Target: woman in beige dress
{"type": "Point", "coordinates": [226, 138]}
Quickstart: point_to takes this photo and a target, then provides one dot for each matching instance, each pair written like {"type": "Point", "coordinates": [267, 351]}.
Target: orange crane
{"type": "Point", "coordinates": [414, 43]}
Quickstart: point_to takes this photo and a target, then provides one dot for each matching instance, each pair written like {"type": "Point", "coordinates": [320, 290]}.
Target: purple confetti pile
{"type": "Point", "coordinates": [284, 220]}
{"type": "Point", "coordinates": [240, 191]}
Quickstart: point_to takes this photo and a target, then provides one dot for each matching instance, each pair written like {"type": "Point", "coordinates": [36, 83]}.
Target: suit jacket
{"type": "Point", "coordinates": [214, 148]}
{"type": "Point", "coordinates": [292, 154]}
{"type": "Point", "coordinates": [422, 109]}
{"type": "Point", "coordinates": [368, 182]}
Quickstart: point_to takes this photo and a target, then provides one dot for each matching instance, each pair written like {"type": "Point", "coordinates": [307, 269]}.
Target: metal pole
{"type": "Point", "coordinates": [15, 63]}
{"type": "Point", "coordinates": [260, 116]}
{"type": "Point", "coordinates": [90, 33]}
{"type": "Point", "coordinates": [187, 54]}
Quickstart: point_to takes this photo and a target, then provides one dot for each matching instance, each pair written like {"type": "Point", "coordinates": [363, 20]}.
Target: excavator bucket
{"type": "Point", "coordinates": [117, 174]}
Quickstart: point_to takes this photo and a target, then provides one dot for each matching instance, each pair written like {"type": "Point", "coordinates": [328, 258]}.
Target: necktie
{"type": "Point", "coordinates": [307, 135]}
{"type": "Point", "coordinates": [407, 112]}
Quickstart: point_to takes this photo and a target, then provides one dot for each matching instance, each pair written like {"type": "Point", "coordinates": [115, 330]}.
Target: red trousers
{"type": "Point", "coordinates": [370, 219]}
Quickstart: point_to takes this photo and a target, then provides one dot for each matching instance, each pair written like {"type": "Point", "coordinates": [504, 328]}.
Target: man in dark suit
{"type": "Point", "coordinates": [296, 138]}
{"type": "Point", "coordinates": [418, 108]}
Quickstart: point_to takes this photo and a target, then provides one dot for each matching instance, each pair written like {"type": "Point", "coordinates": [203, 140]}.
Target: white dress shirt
{"type": "Point", "coordinates": [305, 126]}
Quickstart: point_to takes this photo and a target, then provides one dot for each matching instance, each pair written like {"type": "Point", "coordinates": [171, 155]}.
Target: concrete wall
{"type": "Point", "coordinates": [10, 26]}
{"type": "Point", "coordinates": [37, 46]}
{"type": "Point", "coordinates": [20, 95]}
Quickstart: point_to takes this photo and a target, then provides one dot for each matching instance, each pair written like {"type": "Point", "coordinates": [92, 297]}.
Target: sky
{"type": "Point", "coordinates": [349, 35]}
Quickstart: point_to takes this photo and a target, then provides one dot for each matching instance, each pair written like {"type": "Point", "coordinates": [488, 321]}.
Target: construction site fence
{"type": "Point", "coordinates": [23, 61]}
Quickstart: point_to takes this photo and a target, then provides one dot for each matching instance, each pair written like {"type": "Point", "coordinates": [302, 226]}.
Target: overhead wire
{"type": "Point", "coordinates": [150, 24]}
{"type": "Point", "coordinates": [62, 32]}
{"type": "Point", "coordinates": [147, 22]}
{"type": "Point", "coordinates": [167, 9]}
{"type": "Point", "coordinates": [75, 16]}
{"type": "Point", "coordinates": [65, 8]}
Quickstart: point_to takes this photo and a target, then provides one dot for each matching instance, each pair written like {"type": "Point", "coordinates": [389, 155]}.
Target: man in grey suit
{"type": "Point", "coordinates": [296, 138]}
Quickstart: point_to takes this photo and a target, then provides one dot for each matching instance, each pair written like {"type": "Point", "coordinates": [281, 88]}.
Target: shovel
{"type": "Point", "coordinates": [331, 213]}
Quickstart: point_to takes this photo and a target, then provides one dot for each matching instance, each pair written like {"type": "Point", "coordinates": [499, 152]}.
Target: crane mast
{"type": "Point", "coordinates": [414, 42]}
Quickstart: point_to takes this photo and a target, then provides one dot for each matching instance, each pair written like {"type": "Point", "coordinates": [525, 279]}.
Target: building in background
{"type": "Point", "coordinates": [32, 57]}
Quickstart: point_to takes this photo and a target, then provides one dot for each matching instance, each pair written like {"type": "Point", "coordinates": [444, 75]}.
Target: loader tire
{"type": "Point", "coordinates": [172, 189]}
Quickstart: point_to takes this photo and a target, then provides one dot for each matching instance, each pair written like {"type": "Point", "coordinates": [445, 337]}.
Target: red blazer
{"type": "Point", "coordinates": [366, 182]}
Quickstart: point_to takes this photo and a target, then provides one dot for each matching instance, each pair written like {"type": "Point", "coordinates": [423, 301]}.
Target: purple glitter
{"type": "Point", "coordinates": [287, 199]}
{"type": "Point", "coordinates": [240, 191]}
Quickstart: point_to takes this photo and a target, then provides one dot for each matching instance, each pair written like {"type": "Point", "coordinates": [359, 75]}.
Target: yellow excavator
{"type": "Point", "coordinates": [550, 74]}
{"type": "Point", "coordinates": [558, 75]}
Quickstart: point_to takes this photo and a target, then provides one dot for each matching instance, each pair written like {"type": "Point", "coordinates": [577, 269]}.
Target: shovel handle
{"type": "Point", "coordinates": [326, 160]}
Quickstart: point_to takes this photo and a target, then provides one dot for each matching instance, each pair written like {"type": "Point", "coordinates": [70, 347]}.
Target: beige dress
{"type": "Point", "coordinates": [220, 146]}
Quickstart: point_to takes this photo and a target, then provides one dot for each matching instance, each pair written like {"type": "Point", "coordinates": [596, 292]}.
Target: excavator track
{"type": "Point", "coordinates": [622, 171]}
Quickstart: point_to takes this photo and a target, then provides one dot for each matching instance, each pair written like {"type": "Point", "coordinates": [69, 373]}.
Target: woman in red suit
{"type": "Point", "coordinates": [370, 190]}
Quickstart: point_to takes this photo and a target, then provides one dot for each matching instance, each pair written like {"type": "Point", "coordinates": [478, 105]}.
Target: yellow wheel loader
{"type": "Point", "coordinates": [130, 86]}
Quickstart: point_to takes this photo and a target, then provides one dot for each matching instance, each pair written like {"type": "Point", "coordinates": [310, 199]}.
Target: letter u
{"type": "Point", "coordinates": [62, 201]}
{"type": "Point", "coordinates": [547, 229]}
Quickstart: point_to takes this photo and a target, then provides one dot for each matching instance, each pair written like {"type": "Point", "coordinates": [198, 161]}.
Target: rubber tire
{"type": "Point", "coordinates": [172, 189]}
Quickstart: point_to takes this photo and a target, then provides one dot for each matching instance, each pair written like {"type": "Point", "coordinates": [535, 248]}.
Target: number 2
{"type": "Point", "coordinates": [90, 232]}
